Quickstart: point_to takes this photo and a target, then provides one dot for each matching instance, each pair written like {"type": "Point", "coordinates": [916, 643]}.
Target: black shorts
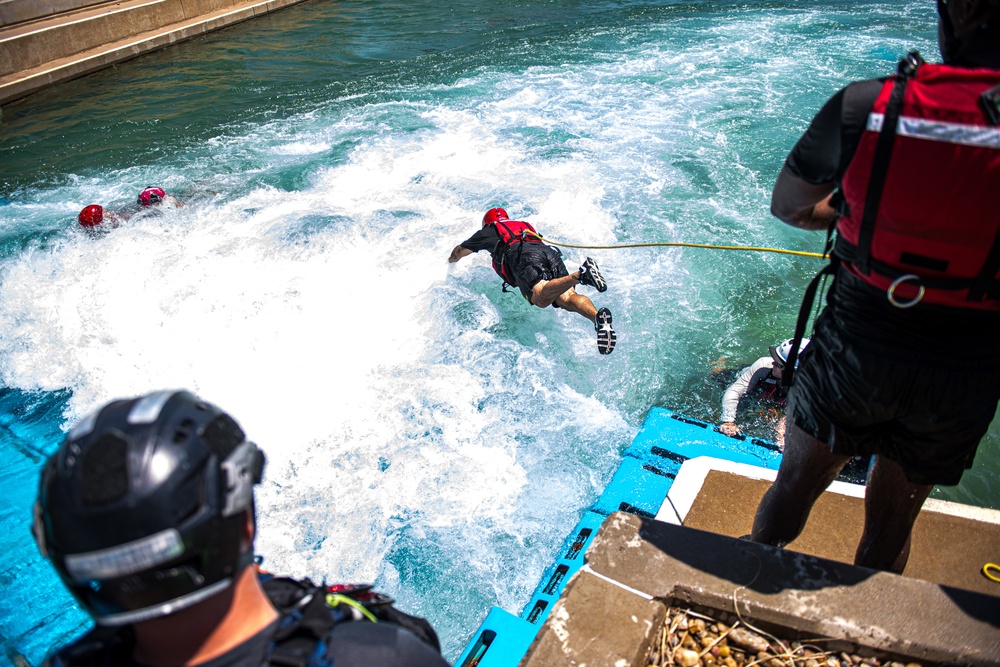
{"type": "Point", "coordinates": [531, 262]}
{"type": "Point", "coordinates": [927, 413]}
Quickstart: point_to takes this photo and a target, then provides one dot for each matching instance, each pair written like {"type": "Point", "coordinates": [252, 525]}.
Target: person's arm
{"type": "Point", "coordinates": [484, 239]}
{"type": "Point", "coordinates": [736, 391]}
{"type": "Point", "coordinates": [801, 195]}
{"type": "Point", "coordinates": [458, 253]}
{"type": "Point", "coordinates": [802, 204]}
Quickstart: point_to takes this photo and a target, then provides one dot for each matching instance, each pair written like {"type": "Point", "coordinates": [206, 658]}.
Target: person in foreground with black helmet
{"type": "Point", "coordinates": [763, 378]}
{"type": "Point", "coordinates": [903, 363]}
{"type": "Point", "coordinates": [523, 260]}
{"type": "Point", "coordinates": [147, 513]}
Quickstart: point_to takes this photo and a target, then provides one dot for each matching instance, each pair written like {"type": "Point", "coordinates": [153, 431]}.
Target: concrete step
{"type": "Point", "coordinates": [38, 53]}
{"type": "Point", "coordinates": [35, 43]}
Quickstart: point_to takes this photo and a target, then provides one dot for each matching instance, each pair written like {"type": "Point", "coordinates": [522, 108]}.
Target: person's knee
{"type": "Point", "coordinates": [807, 464]}
{"type": "Point", "coordinates": [536, 295]}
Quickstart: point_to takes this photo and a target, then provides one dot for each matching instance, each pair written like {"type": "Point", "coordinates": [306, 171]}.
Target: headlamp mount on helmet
{"type": "Point", "coordinates": [143, 509]}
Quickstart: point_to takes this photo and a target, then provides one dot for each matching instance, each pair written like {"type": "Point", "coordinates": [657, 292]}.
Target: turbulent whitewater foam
{"type": "Point", "coordinates": [423, 429]}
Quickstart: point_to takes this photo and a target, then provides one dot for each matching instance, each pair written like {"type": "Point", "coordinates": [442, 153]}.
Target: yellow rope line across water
{"type": "Point", "coordinates": [678, 244]}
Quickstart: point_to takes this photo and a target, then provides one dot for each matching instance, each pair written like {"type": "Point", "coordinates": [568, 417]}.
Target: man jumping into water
{"type": "Point", "coordinates": [523, 261]}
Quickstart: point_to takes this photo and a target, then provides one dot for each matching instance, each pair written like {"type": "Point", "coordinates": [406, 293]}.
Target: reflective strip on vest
{"type": "Point", "coordinates": [934, 130]}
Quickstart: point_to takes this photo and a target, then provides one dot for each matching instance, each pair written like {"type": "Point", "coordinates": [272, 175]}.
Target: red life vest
{"type": "Point", "coordinates": [933, 223]}
{"type": "Point", "coordinates": [769, 388]}
{"type": "Point", "coordinates": [511, 233]}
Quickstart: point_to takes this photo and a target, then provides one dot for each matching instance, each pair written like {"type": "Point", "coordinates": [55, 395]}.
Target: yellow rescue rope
{"type": "Point", "coordinates": [677, 244]}
{"type": "Point", "coordinates": [989, 575]}
{"type": "Point", "coordinates": [334, 599]}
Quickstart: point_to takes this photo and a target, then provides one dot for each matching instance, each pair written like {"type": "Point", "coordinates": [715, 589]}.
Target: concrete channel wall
{"type": "Point", "coordinates": [19, 11]}
{"type": "Point", "coordinates": [45, 42]}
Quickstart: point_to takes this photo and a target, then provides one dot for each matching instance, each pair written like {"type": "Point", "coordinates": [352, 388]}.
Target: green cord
{"type": "Point", "coordinates": [334, 599]}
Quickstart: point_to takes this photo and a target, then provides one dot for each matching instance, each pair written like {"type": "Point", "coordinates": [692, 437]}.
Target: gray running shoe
{"type": "Point", "coordinates": [591, 275]}
{"type": "Point", "coordinates": [606, 336]}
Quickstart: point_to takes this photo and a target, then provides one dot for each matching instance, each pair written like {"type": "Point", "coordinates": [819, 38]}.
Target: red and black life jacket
{"type": "Point", "coordinates": [769, 388]}
{"type": "Point", "coordinates": [920, 217]}
{"type": "Point", "coordinates": [922, 190]}
{"type": "Point", "coordinates": [512, 232]}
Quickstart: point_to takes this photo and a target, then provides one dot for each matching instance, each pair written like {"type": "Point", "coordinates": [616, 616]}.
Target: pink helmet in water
{"type": "Point", "coordinates": [494, 215]}
{"type": "Point", "coordinates": [151, 195]}
{"type": "Point", "coordinates": [91, 216]}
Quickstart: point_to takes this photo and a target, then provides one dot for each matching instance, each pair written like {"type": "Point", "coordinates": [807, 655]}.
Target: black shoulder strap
{"type": "Point", "coordinates": [285, 593]}
{"type": "Point", "coordinates": [308, 617]}
{"type": "Point", "coordinates": [883, 153]}
{"type": "Point", "coordinates": [788, 375]}
{"type": "Point", "coordinates": [500, 257]}
{"type": "Point", "coordinates": [101, 647]}
{"type": "Point", "coordinates": [511, 237]}
{"type": "Point", "coordinates": [300, 636]}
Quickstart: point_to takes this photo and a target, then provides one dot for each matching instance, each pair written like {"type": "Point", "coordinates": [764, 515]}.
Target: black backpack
{"type": "Point", "coordinates": [308, 615]}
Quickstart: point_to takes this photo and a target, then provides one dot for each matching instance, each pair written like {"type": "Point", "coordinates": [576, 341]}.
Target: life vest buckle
{"type": "Point", "coordinates": [891, 292]}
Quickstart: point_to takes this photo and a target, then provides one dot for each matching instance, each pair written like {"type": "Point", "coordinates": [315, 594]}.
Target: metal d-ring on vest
{"type": "Point", "coordinates": [891, 292]}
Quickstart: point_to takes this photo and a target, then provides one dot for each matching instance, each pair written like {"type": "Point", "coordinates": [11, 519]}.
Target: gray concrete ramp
{"type": "Point", "coordinates": [49, 41]}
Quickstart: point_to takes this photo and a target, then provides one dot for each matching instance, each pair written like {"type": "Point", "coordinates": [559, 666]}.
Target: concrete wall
{"type": "Point", "coordinates": [72, 43]}
{"type": "Point", "coordinates": [116, 21]}
{"type": "Point", "coordinates": [19, 11]}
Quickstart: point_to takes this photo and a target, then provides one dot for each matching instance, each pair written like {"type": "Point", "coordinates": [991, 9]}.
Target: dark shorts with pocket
{"type": "Point", "coordinates": [532, 262]}
{"type": "Point", "coordinates": [925, 412]}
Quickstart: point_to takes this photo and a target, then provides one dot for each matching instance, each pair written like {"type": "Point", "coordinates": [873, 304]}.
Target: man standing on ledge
{"type": "Point", "coordinates": [904, 362]}
{"type": "Point", "coordinates": [524, 261]}
{"type": "Point", "coordinates": [147, 513]}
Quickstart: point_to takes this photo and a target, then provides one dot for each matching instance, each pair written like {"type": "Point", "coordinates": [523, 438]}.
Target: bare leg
{"type": "Point", "coordinates": [779, 433]}
{"type": "Point", "coordinates": [892, 504]}
{"type": "Point", "coordinates": [545, 292]}
{"type": "Point", "coordinates": [807, 468]}
{"type": "Point", "coordinates": [577, 303]}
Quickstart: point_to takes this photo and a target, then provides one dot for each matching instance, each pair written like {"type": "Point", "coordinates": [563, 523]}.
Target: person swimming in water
{"type": "Point", "coordinates": [95, 218]}
{"type": "Point", "coordinates": [154, 195]}
{"type": "Point", "coordinates": [523, 261]}
{"type": "Point", "coordinates": [762, 379]}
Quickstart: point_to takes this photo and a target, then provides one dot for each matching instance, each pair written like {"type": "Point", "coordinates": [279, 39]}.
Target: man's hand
{"type": "Point", "coordinates": [458, 253]}
{"type": "Point", "coordinates": [729, 428]}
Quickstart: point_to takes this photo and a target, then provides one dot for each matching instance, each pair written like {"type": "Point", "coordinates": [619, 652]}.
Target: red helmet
{"type": "Point", "coordinates": [91, 216]}
{"type": "Point", "coordinates": [151, 195]}
{"type": "Point", "coordinates": [494, 215]}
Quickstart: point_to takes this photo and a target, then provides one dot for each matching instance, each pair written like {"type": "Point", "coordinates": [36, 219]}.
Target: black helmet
{"type": "Point", "coordinates": [967, 16]}
{"type": "Point", "coordinates": [142, 509]}
{"type": "Point", "coordinates": [967, 29]}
